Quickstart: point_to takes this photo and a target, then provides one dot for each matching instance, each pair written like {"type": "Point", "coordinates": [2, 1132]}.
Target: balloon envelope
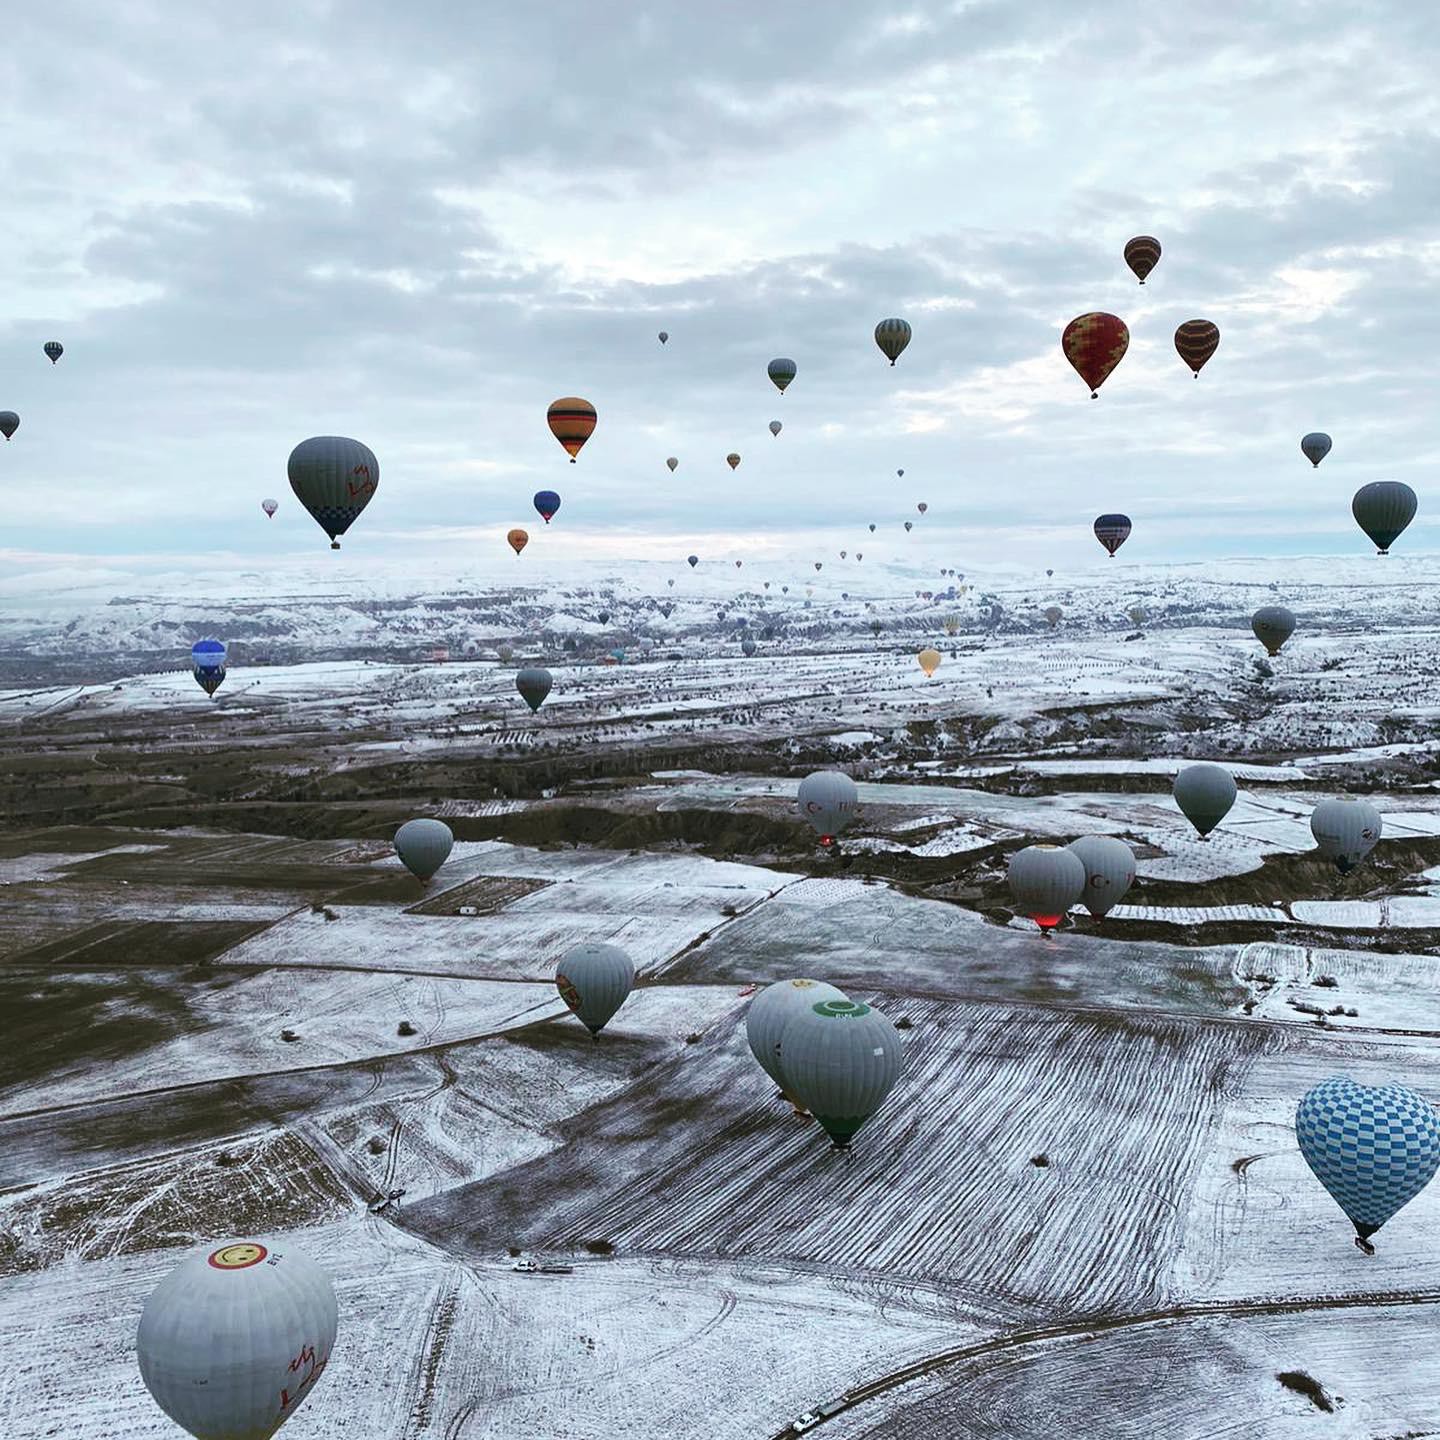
{"type": "Point", "coordinates": [892, 336]}
{"type": "Point", "coordinates": [1346, 831]}
{"type": "Point", "coordinates": [1273, 626]}
{"type": "Point", "coordinates": [547, 502]}
{"type": "Point", "coordinates": [827, 799]}
{"type": "Point", "coordinates": [54, 349]}
{"type": "Point", "coordinates": [664, 336]}
{"type": "Point", "coordinates": [672, 462]}
{"type": "Point", "coordinates": [1383, 509]}
{"type": "Point", "coordinates": [692, 561]}
{"type": "Point", "coordinates": [772, 1009]}
{"type": "Point", "coordinates": [1196, 341]}
{"type": "Point", "coordinates": [1095, 344]}
{"type": "Point", "coordinates": [929, 659]}
{"type": "Point", "coordinates": [234, 1337]}
{"type": "Point", "coordinates": [9, 423]}
{"type": "Point", "coordinates": [1112, 531]}
{"type": "Point", "coordinates": [1374, 1148]}
{"type": "Point", "coordinates": [839, 1059]}
{"type": "Point", "coordinates": [269, 506]}
{"type": "Point", "coordinates": [423, 846]}
{"type": "Point", "coordinates": [518, 539]}
{"type": "Point", "coordinates": [1142, 254]}
{"type": "Point", "coordinates": [776, 427]}
{"type": "Point", "coordinates": [1315, 446]}
{"type": "Point", "coordinates": [1045, 881]}
{"type": "Point", "coordinates": [534, 684]}
{"type": "Point", "coordinates": [572, 422]}
{"type": "Point", "coordinates": [593, 980]}
{"type": "Point", "coordinates": [334, 478]}
{"type": "Point", "coordinates": [1109, 871]}
{"type": "Point", "coordinates": [782, 372]}
{"type": "Point", "coordinates": [1205, 794]}
{"type": "Point", "coordinates": [732, 460]}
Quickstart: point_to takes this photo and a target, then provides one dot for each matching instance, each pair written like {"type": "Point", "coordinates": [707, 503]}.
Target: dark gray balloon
{"type": "Point", "coordinates": [1383, 509]}
{"type": "Point", "coordinates": [534, 684]}
{"type": "Point", "coordinates": [1315, 446]}
{"type": "Point", "coordinates": [334, 478]}
{"type": "Point", "coordinates": [839, 1059]}
{"type": "Point", "coordinates": [9, 423]}
{"type": "Point", "coordinates": [1273, 626]}
{"type": "Point", "coordinates": [423, 846]}
{"type": "Point", "coordinates": [1205, 794]}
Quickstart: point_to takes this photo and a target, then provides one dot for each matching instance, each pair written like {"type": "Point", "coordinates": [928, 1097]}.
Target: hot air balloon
{"type": "Point", "coordinates": [827, 799]}
{"type": "Point", "coordinates": [1112, 531]}
{"type": "Point", "coordinates": [842, 554]}
{"type": "Point", "coordinates": [922, 507]}
{"type": "Point", "coordinates": [672, 462]}
{"type": "Point", "coordinates": [1046, 881]}
{"type": "Point", "coordinates": [207, 664]}
{"type": "Point", "coordinates": [1053, 614]}
{"type": "Point", "coordinates": [782, 372]}
{"type": "Point", "coordinates": [909, 526]}
{"type": "Point", "coordinates": [593, 980]}
{"type": "Point", "coordinates": [232, 1340]}
{"type": "Point", "coordinates": [892, 336]}
{"type": "Point", "coordinates": [1205, 794]}
{"type": "Point", "coordinates": [858, 556]}
{"type": "Point", "coordinates": [547, 502]}
{"type": "Point", "coordinates": [732, 460]}
{"type": "Point", "coordinates": [819, 564]}
{"type": "Point", "coordinates": [664, 336]}
{"type": "Point", "coordinates": [747, 646]}
{"type": "Point", "coordinates": [534, 684]}
{"type": "Point", "coordinates": [1137, 615]}
{"type": "Point", "coordinates": [423, 847]}
{"type": "Point", "coordinates": [872, 529]}
{"type": "Point", "coordinates": [1383, 509]}
{"type": "Point", "coordinates": [839, 1059]}
{"type": "Point", "coordinates": [929, 661]}
{"type": "Point", "coordinates": [334, 478]}
{"type": "Point", "coordinates": [1273, 625]}
{"type": "Point", "coordinates": [1195, 342]}
{"type": "Point", "coordinates": [517, 539]}
{"type": "Point", "coordinates": [1142, 254]}
{"type": "Point", "coordinates": [505, 653]}
{"type": "Point", "coordinates": [1109, 871]}
{"type": "Point", "coordinates": [1345, 831]}
{"type": "Point", "coordinates": [572, 422]}
{"type": "Point", "coordinates": [9, 423]}
{"type": "Point", "coordinates": [739, 563]}
{"type": "Point", "coordinates": [692, 560]}
{"type": "Point", "coordinates": [771, 1010]}
{"type": "Point", "coordinates": [1315, 446]}
{"type": "Point", "coordinates": [269, 507]}
{"type": "Point", "coordinates": [1374, 1148]}
{"type": "Point", "coordinates": [1095, 344]}
{"type": "Point", "coordinates": [952, 625]}
{"type": "Point", "coordinates": [900, 473]}
{"type": "Point", "coordinates": [54, 349]}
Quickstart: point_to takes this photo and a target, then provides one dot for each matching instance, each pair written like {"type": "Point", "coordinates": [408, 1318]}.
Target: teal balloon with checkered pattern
{"type": "Point", "coordinates": [1373, 1147]}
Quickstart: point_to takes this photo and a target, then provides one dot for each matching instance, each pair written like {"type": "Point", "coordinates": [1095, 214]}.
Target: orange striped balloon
{"type": "Point", "coordinates": [572, 422]}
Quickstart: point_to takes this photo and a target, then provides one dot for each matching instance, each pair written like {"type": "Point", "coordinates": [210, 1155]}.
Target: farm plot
{"type": "Point", "coordinates": [850, 934]}
{"type": "Point", "coordinates": [240, 1028]}
{"type": "Point", "coordinates": [1386, 992]}
{"type": "Point", "coordinates": [1260, 1224]}
{"type": "Point", "coordinates": [1282, 1376]}
{"type": "Point", "coordinates": [1030, 1158]}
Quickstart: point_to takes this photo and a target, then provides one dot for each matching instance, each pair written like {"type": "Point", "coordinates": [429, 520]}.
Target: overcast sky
{"type": "Point", "coordinates": [419, 224]}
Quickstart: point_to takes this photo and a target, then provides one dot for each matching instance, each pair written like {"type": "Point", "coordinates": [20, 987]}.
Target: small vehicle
{"type": "Point", "coordinates": [525, 1265]}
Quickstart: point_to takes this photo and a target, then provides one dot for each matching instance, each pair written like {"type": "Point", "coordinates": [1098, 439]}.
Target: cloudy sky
{"type": "Point", "coordinates": [419, 224]}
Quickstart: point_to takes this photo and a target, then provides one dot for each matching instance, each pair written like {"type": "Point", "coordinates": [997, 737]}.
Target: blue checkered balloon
{"type": "Point", "coordinates": [1374, 1148]}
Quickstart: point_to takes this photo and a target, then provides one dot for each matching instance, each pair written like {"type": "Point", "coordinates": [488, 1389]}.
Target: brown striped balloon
{"type": "Point", "coordinates": [572, 421]}
{"type": "Point", "coordinates": [1142, 254]}
{"type": "Point", "coordinates": [1196, 341]}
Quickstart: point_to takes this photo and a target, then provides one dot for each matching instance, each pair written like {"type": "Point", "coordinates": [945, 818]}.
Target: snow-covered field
{"type": "Point", "coordinates": [1083, 1202]}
